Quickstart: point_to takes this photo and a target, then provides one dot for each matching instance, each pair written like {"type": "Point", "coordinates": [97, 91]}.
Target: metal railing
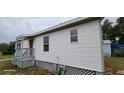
{"type": "Point", "coordinates": [22, 53]}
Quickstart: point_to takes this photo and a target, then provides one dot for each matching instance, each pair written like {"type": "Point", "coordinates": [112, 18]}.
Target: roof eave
{"type": "Point", "coordinates": [70, 25]}
{"type": "Point", "coordinates": [64, 25]}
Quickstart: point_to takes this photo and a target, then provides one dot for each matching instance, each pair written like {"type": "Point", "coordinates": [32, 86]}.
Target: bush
{"type": "Point", "coordinates": [7, 49]}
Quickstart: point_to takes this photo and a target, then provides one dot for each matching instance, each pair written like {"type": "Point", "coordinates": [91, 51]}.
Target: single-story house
{"type": "Point", "coordinates": [75, 46]}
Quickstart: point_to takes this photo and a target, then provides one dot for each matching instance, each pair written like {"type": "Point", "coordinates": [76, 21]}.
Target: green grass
{"type": "Point", "coordinates": [6, 68]}
{"type": "Point", "coordinates": [114, 64]}
{"type": "Point", "coordinates": [4, 57]}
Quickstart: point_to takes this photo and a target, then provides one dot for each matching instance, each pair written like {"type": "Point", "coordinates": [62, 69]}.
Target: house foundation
{"type": "Point", "coordinates": [67, 70]}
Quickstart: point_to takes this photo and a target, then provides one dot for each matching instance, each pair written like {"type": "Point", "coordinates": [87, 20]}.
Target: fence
{"type": "Point", "coordinates": [118, 50]}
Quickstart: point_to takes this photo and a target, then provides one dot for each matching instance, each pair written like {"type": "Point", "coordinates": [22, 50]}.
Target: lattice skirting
{"type": "Point", "coordinates": [69, 70]}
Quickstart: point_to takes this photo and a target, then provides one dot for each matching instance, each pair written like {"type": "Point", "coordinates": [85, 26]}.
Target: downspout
{"type": "Point", "coordinates": [21, 48]}
{"type": "Point", "coordinates": [22, 51]}
{"type": "Point", "coordinates": [60, 69]}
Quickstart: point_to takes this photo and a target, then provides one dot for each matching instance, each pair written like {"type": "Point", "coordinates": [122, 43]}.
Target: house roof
{"type": "Point", "coordinates": [73, 22]}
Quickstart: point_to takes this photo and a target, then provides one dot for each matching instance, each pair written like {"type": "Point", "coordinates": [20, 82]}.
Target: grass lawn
{"type": "Point", "coordinates": [4, 57]}
{"type": "Point", "coordinates": [6, 68]}
{"type": "Point", "coordinates": [114, 64]}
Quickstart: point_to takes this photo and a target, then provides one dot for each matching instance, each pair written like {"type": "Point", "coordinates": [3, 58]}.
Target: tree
{"type": "Point", "coordinates": [4, 48]}
{"type": "Point", "coordinates": [111, 31]}
{"type": "Point", "coordinates": [107, 30]}
{"type": "Point", "coordinates": [8, 49]}
{"type": "Point", "coordinates": [119, 29]}
{"type": "Point", "coordinates": [11, 48]}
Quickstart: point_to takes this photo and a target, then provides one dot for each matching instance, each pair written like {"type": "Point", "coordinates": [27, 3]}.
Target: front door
{"type": "Point", "coordinates": [31, 43]}
{"type": "Point", "coordinates": [30, 47]}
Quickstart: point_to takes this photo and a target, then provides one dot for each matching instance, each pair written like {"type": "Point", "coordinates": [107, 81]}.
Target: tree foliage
{"type": "Point", "coordinates": [107, 29]}
{"type": "Point", "coordinates": [111, 31]}
{"type": "Point", "coordinates": [4, 48]}
{"type": "Point", "coordinates": [7, 48]}
{"type": "Point", "coordinates": [11, 48]}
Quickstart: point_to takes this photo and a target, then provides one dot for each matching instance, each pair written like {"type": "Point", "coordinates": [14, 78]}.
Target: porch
{"type": "Point", "coordinates": [24, 53]}
{"type": "Point", "coordinates": [24, 57]}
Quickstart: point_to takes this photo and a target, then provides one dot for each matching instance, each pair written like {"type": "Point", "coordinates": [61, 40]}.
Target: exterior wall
{"type": "Point", "coordinates": [25, 44]}
{"type": "Point", "coordinates": [86, 53]}
{"type": "Point", "coordinates": [107, 50]}
{"type": "Point", "coordinates": [17, 43]}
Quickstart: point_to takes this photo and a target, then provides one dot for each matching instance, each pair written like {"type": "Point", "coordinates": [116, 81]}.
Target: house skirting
{"type": "Point", "coordinates": [68, 70]}
{"type": "Point", "coordinates": [50, 66]}
{"type": "Point", "coordinates": [25, 63]}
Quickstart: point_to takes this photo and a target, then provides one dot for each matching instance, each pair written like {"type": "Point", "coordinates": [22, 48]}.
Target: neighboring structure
{"type": "Point", "coordinates": [117, 50]}
{"type": "Point", "coordinates": [107, 48]}
{"type": "Point", "coordinates": [74, 47]}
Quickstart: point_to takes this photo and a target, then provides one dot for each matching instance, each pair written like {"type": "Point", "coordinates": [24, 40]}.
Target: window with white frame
{"type": "Point", "coordinates": [74, 35]}
{"type": "Point", "coordinates": [46, 43]}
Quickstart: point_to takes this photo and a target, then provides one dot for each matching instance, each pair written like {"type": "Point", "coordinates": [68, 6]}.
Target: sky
{"type": "Point", "coordinates": [11, 27]}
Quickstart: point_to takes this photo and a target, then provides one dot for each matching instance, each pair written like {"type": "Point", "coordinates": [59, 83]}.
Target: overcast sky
{"type": "Point", "coordinates": [10, 27]}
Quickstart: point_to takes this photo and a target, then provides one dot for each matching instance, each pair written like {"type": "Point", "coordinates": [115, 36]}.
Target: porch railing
{"type": "Point", "coordinates": [23, 53]}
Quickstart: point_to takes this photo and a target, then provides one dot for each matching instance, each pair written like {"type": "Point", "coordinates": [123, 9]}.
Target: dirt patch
{"type": "Point", "coordinates": [113, 65]}
{"type": "Point", "coordinates": [6, 68]}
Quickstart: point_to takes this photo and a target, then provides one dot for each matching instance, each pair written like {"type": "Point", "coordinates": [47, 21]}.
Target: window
{"type": "Point", "coordinates": [74, 35]}
{"type": "Point", "coordinates": [46, 43]}
{"type": "Point", "coordinates": [18, 45]}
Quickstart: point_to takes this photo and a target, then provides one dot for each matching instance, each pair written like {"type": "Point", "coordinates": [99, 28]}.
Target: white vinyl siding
{"type": "Point", "coordinates": [25, 44]}
{"type": "Point", "coordinates": [86, 53]}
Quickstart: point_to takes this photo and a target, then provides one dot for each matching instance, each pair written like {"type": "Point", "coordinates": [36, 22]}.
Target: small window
{"type": "Point", "coordinates": [18, 45]}
{"type": "Point", "coordinates": [74, 35]}
{"type": "Point", "coordinates": [46, 43]}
